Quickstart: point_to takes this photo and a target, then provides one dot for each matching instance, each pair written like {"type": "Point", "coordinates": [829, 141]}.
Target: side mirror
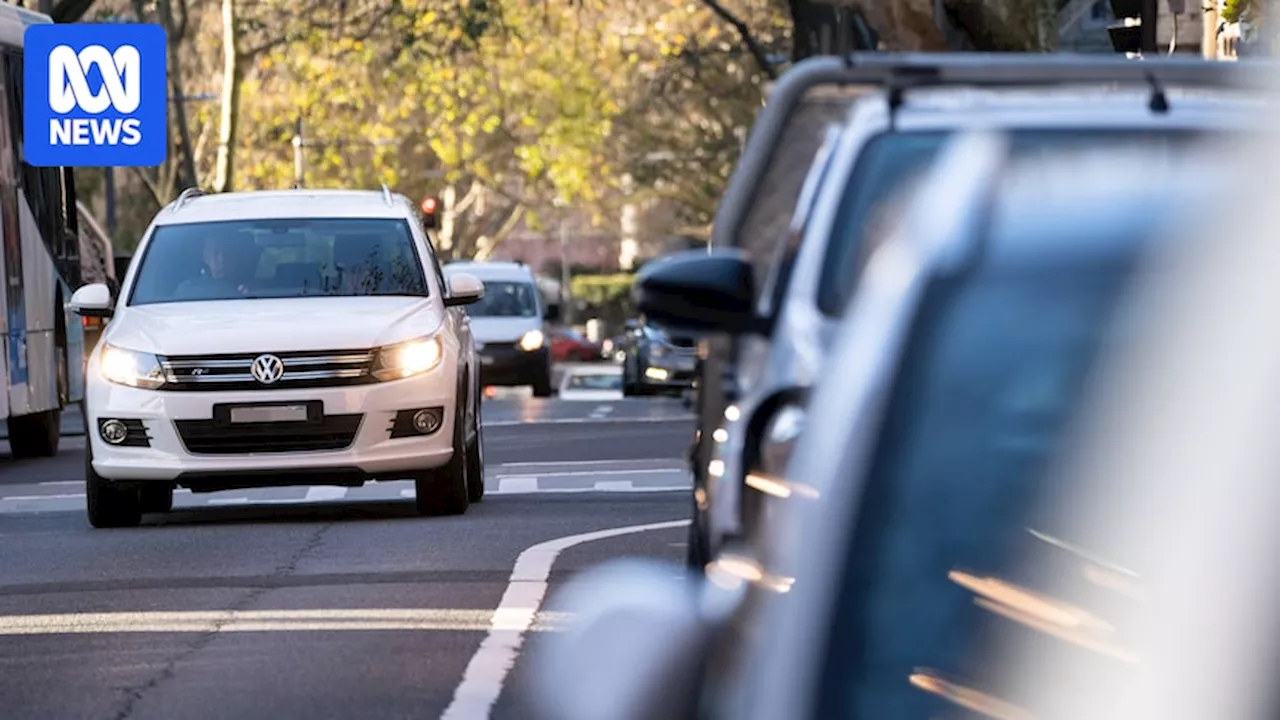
{"type": "Point", "coordinates": [93, 300]}
{"type": "Point", "coordinates": [697, 290]}
{"type": "Point", "coordinates": [631, 650]}
{"type": "Point", "coordinates": [464, 289]}
{"type": "Point", "coordinates": [551, 313]}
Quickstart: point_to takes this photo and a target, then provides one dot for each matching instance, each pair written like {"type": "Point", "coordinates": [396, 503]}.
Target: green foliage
{"type": "Point", "coordinates": [608, 296]}
{"type": "Point", "coordinates": [1235, 10]}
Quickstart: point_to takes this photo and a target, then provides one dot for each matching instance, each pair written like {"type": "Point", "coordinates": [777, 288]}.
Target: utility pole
{"type": "Point", "coordinates": [297, 154]}
{"type": "Point", "coordinates": [566, 278]}
{"type": "Point", "coordinates": [1209, 38]}
{"type": "Point", "coordinates": [109, 190]}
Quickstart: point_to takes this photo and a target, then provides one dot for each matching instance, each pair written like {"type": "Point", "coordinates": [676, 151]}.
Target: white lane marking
{"type": "Point", "coordinates": [322, 492]}
{"type": "Point", "coordinates": [63, 482]}
{"type": "Point", "coordinates": [615, 486]}
{"type": "Point", "coordinates": [24, 498]}
{"type": "Point", "coordinates": [601, 411]}
{"type": "Point", "coordinates": [204, 621]}
{"type": "Point", "coordinates": [517, 483]}
{"type": "Point", "coordinates": [578, 421]}
{"type": "Point", "coordinates": [586, 473]}
{"type": "Point", "coordinates": [487, 672]}
{"type": "Point", "coordinates": [588, 463]}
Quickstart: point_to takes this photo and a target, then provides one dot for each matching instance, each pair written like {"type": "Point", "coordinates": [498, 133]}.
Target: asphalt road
{"type": "Point", "coordinates": [320, 602]}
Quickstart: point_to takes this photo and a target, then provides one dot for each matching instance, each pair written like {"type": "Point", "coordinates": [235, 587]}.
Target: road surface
{"type": "Point", "coordinates": [320, 602]}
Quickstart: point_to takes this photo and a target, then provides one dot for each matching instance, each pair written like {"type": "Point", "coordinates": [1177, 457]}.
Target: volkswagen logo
{"type": "Point", "coordinates": [267, 369]}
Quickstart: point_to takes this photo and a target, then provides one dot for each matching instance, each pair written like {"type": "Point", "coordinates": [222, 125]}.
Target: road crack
{"type": "Point", "coordinates": [132, 695]}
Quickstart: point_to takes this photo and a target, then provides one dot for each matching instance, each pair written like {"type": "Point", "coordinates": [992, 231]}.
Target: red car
{"type": "Point", "coordinates": [570, 346]}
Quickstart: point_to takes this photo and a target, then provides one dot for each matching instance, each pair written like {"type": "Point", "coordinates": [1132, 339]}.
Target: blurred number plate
{"type": "Point", "coordinates": [486, 360]}
{"type": "Point", "coordinates": [273, 413]}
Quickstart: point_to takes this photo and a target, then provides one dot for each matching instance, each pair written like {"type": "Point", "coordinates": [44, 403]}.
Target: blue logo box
{"type": "Point", "coordinates": [95, 95]}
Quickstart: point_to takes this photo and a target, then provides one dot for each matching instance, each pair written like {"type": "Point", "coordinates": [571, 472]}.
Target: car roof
{"type": "Point", "coordinates": [492, 270]}
{"type": "Point", "coordinates": [271, 204]}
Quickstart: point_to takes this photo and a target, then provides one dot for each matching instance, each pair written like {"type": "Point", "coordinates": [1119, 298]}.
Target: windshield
{"type": "Point", "coordinates": [888, 161]}
{"type": "Point", "coordinates": [991, 376]}
{"type": "Point", "coordinates": [279, 259]}
{"type": "Point", "coordinates": [506, 299]}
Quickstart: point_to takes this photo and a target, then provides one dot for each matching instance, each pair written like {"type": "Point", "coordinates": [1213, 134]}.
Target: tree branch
{"type": "Point", "coordinates": [69, 11]}
{"type": "Point", "coordinates": [748, 39]}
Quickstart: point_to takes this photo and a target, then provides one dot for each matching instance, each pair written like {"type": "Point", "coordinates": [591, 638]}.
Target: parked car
{"type": "Point", "coordinates": [914, 528]}
{"type": "Point", "coordinates": [657, 359]}
{"type": "Point", "coordinates": [568, 345]}
{"type": "Point", "coordinates": [509, 326]}
{"type": "Point", "coordinates": [780, 332]}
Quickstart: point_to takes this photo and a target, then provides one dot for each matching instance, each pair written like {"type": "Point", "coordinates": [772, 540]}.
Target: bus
{"type": "Point", "coordinates": [40, 267]}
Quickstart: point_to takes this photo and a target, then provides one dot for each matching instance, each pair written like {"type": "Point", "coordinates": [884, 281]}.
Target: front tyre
{"type": "Point", "coordinates": [109, 505]}
{"type": "Point", "coordinates": [36, 435]}
{"type": "Point", "coordinates": [445, 490]}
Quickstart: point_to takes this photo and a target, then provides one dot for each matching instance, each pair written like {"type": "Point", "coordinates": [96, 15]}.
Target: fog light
{"type": "Point", "coordinates": [426, 422]}
{"type": "Point", "coordinates": [114, 432]}
{"type": "Point", "coordinates": [654, 373]}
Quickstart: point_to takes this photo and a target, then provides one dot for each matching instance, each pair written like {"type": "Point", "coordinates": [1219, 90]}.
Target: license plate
{"type": "Point", "coordinates": [271, 413]}
{"type": "Point", "coordinates": [486, 360]}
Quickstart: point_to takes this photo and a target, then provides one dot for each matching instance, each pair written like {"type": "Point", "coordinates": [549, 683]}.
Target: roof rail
{"type": "Point", "coordinates": [186, 197]}
{"type": "Point", "coordinates": [386, 195]}
{"type": "Point", "coordinates": [899, 72]}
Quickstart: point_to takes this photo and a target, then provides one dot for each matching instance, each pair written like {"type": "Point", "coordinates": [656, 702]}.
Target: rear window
{"type": "Point", "coordinates": [506, 299]}
{"type": "Point", "coordinates": [888, 161]}
{"type": "Point", "coordinates": [991, 376]}
{"type": "Point", "coordinates": [279, 258]}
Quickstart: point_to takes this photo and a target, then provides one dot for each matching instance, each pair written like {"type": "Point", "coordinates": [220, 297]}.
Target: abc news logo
{"type": "Point", "coordinates": [96, 95]}
{"type": "Point", "coordinates": [69, 91]}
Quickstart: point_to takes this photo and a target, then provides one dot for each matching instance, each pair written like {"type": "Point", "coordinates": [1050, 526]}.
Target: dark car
{"type": "Point", "coordinates": [657, 359]}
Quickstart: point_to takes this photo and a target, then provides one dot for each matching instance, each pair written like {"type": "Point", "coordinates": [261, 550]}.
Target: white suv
{"type": "Point", "coordinates": [300, 337]}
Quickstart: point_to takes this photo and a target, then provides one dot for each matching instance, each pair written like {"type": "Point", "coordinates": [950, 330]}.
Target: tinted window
{"type": "Point", "coordinates": [991, 375]}
{"type": "Point", "coordinates": [888, 161]}
{"type": "Point", "coordinates": [506, 299]}
{"type": "Point", "coordinates": [279, 259]}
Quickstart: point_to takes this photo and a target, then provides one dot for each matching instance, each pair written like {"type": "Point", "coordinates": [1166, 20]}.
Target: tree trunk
{"type": "Point", "coordinates": [225, 177]}
{"type": "Point", "coordinates": [926, 25]}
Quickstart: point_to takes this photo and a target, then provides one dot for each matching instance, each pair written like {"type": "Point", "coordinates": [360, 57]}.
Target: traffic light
{"type": "Point", "coordinates": [1135, 29]}
{"type": "Point", "coordinates": [430, 218]}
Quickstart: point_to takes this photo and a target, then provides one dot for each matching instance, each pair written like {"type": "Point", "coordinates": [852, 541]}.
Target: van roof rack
{"type": "Point", "coordinates": [386, 196]}
{"type": "Point", "coordinates": [900, 72]}
{"type": "Point", "coordinates": [187, 196]}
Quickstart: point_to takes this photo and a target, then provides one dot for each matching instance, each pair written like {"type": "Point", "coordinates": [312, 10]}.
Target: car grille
{"type": "Point", "coordinates": [333, 368]}
{"type": "Point", "coordinates": [208, 437]}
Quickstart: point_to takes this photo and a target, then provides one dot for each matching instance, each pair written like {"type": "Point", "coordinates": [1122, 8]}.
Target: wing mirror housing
{"type": "Point", "coordinates": [632, 650]}
{"type": "Point", "coordinates": [464, 289]}
{"type": "Point", "coordinates": [93, 300]}
{"type": "Point", "coordinates": [700, 291]}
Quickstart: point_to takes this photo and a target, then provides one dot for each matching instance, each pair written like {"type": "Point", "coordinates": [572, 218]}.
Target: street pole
{"type": "Point", "coordinates": [109, 190]}
{"type": "Point", "coordinates": [1209, 37]}
{"type": "Point", "coordinates": [297, 155]}
{"type": "Point", "coordinates": [566, 279]}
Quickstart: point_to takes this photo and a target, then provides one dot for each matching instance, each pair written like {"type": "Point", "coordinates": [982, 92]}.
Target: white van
{"type": "Point", "coordinates": [507, 324]}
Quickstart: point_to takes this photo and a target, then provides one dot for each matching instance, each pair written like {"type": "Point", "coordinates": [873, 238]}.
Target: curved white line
{"type": "Point", "coordinates": [487, 672]}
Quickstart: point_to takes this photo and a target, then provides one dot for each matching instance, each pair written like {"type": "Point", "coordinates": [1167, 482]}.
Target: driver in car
{"type": "Point", "coordinates": [223, 274]}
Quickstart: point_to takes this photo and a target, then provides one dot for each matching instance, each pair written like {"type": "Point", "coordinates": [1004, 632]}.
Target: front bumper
{"type": "Point", "coordinates": [368, 415]}
{"type": "Point", "coordinates": [505, 364]}
{"type": "Point", "coordinates": [675, 373]}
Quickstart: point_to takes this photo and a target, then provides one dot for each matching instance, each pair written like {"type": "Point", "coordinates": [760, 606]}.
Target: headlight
{"type": "Point", "coordinates": [408, 359]}
{"type": "Point", "coordinates": [779, 441]}
{"type": "Point", "coordinates": [130, 367]}
{"type": "Point", "coordinates": [531, 341]}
